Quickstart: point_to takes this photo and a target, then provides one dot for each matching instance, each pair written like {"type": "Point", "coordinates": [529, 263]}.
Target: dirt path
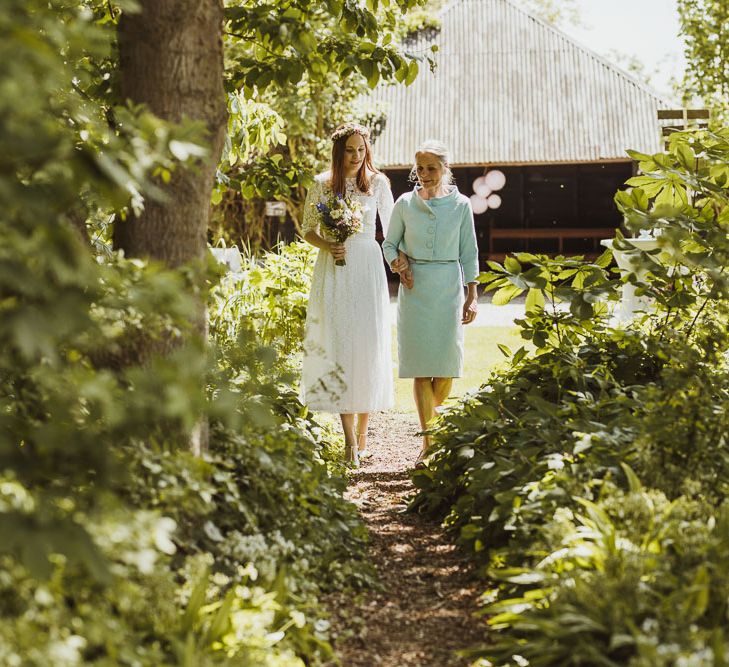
{"type": "Point", "coordinates": [424, 611]}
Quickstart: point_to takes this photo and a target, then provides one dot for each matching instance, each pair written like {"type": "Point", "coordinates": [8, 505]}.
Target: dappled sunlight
{"type": "Point", "coordinates": [422, 613]}
{"type": "Point", "coordinates": [174, 304]}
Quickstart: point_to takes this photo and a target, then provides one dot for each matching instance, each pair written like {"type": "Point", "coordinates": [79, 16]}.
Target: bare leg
{"type": "Point", "coordinates": [363, 419]}
{"type": "Point", "coordinates": [441, 390]}
{"type": "Point", "coordinates": [425, 403]}
{"type": "Point", "coordinates": [350, 439]}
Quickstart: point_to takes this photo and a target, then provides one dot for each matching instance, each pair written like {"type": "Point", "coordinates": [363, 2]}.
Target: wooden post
{"type": "Point", "coordinates": [681, 120]}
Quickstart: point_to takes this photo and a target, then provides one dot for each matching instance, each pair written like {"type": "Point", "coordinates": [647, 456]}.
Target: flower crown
{"type": "Point", "coordinates": [349, 129]}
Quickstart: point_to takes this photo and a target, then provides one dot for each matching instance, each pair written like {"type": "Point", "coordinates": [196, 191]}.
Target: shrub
{"type": "Point", "coordinates": [633, 579]}
{"type": "Point", "coordinates": [268, 295]}
{"type": "Point", "coordinates": [176, 559]}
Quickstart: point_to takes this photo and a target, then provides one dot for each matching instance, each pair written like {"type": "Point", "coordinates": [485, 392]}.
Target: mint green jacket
{"type": "Point", "coordinates": [439, 229]}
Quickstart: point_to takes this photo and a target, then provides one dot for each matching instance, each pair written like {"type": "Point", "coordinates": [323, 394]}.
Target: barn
{"type": "Point", "coordinates": [536, 121]}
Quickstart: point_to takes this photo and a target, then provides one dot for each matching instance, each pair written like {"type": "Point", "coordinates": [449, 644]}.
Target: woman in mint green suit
{"type": "Point", "coordinates": [431, 243]}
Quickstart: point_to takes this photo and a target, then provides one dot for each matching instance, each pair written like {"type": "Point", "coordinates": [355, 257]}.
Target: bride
{"type": "Point", "coordinates": [347, 354]}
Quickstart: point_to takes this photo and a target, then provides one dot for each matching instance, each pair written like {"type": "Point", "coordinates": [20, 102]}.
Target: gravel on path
{"type": "Point", "coordinates": [424, 611]}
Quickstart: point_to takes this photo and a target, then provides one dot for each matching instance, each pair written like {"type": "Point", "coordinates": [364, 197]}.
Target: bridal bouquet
{"type": "Point", "coordinates": [340, 217]}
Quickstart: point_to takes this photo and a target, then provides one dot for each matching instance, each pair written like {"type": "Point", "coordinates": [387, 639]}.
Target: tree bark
{"type": "Point", "coordinates": [77, 220]}
{"type": "Point", "coordinates": [171, 60]}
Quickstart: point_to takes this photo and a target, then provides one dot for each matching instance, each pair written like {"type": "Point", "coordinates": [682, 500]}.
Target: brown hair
{"type": "Point", "coordinates": [339, 138]}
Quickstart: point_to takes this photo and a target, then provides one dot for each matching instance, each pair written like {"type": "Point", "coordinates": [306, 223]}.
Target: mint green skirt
{"type": "Point", "coordinates": [429, 328]}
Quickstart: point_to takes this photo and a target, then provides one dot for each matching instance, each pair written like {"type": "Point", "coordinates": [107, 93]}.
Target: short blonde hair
{"type": "Point", "coordinates": [440, 150]}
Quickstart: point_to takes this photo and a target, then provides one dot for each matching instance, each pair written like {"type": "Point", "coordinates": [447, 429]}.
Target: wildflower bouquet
{"type": "Point", "coordinates": [340, 217]}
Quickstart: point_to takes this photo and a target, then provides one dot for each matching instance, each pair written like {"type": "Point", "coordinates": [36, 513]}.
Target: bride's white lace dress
{"type": "Point", "coordinates": [347, 354]}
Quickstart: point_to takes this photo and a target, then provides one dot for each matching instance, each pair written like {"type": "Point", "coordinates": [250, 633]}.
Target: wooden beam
{"type": "Point", "coordinates": [673, 114]}
{"type": "Point", "coordinates": [553, 233]}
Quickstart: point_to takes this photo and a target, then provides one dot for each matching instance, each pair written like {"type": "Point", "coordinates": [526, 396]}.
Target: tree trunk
{"type": "Point", "coordinates": [171, 60]}
{"type": "Point", "coordinates": [76, 218]}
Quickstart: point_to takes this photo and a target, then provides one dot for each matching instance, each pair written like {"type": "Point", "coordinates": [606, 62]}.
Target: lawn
{"type": "Point", "coordinates": [482, 356]}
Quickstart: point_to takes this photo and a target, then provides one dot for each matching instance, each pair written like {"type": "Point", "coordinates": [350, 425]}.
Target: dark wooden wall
{"type": "Point", "coordinates": [545, 198]}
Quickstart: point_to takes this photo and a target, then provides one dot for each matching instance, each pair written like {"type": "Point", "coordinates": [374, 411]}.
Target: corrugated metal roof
{"type": "Point", "coordinates": [512, 89]}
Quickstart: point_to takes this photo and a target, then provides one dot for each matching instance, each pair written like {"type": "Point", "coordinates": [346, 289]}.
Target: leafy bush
{"type": "Point", "coordinates": [108, 520]}
{"type": "Point", "coordinates": [279, 457]}
{"type": "Point", "coordinates": [268, 295]}
{"type": "Point", "coordinates": [633, 579]}
{"type": "Point", "coordinates": [118, 563]}
{"type": "Point", "coordinates": [536, 433]}
{"type": "Point", "coordinates": [550, 284]}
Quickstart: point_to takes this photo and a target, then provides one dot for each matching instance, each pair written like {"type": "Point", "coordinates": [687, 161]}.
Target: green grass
{"type": "Point", "coordinates": [482, 355]}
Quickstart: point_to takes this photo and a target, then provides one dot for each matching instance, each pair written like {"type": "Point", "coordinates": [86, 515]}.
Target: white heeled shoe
{"type": "Point", "coordinates": [351, 456]}
{"type": "Point", "coordinates": [362, 453]}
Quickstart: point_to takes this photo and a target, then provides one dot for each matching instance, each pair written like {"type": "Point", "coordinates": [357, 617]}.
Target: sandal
{"type": "Point", "coordinates": [351, 456]}
{"type": "Point", "coordinates": [362, 453]}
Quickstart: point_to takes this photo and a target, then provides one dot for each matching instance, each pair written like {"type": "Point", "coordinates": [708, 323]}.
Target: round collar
{"type": "Point", "coordinates": [445, 200]}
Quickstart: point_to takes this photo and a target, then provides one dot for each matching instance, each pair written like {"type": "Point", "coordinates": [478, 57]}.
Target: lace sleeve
{"type": "Point", "coordinates": [311, 215]}
{"type": "Point", "coordinates": [384, 201]}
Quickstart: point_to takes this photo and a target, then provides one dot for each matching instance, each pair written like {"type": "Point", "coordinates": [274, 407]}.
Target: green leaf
{"type": "Point", "coordinates": [534, 300]}
{"type": "Point", "coordinates": [401, 73]}
{"type": "Point", "coordinates": [495, 284]}
{"type": "Point", "coordinates": [511, 265]}
{"type": "Point", "coordinates": [633, 482]}
{"type": "Point", "coordinates": [221, 621]}
{"type": "Point", "coordinates": [197, 599]}
{"type": "Point", "coordinates": [598, 515]}
{"type": "Point", "coordinates": [374, 78]}
{"type": "Point", "coordinates": [686, 156]}
{"type": "Point", "coordinates": [520, 354]}
{"type": "Point", "coordinates": [605, 259]}
{"type": "Point", "coordinates": [470, 531]}
{"type": "Point", "coordinates": [640, 181]}
{"type": "Point", "coordinates": [639, 157]}
{"type": "Point", "coordinates": [422, 479]}
{"type": "Point", "coordinates": [699, 592]}
{"type": "Point", "coordinates": [413, 70]}
{"type": "Point", "coordinates": [504, 295]}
